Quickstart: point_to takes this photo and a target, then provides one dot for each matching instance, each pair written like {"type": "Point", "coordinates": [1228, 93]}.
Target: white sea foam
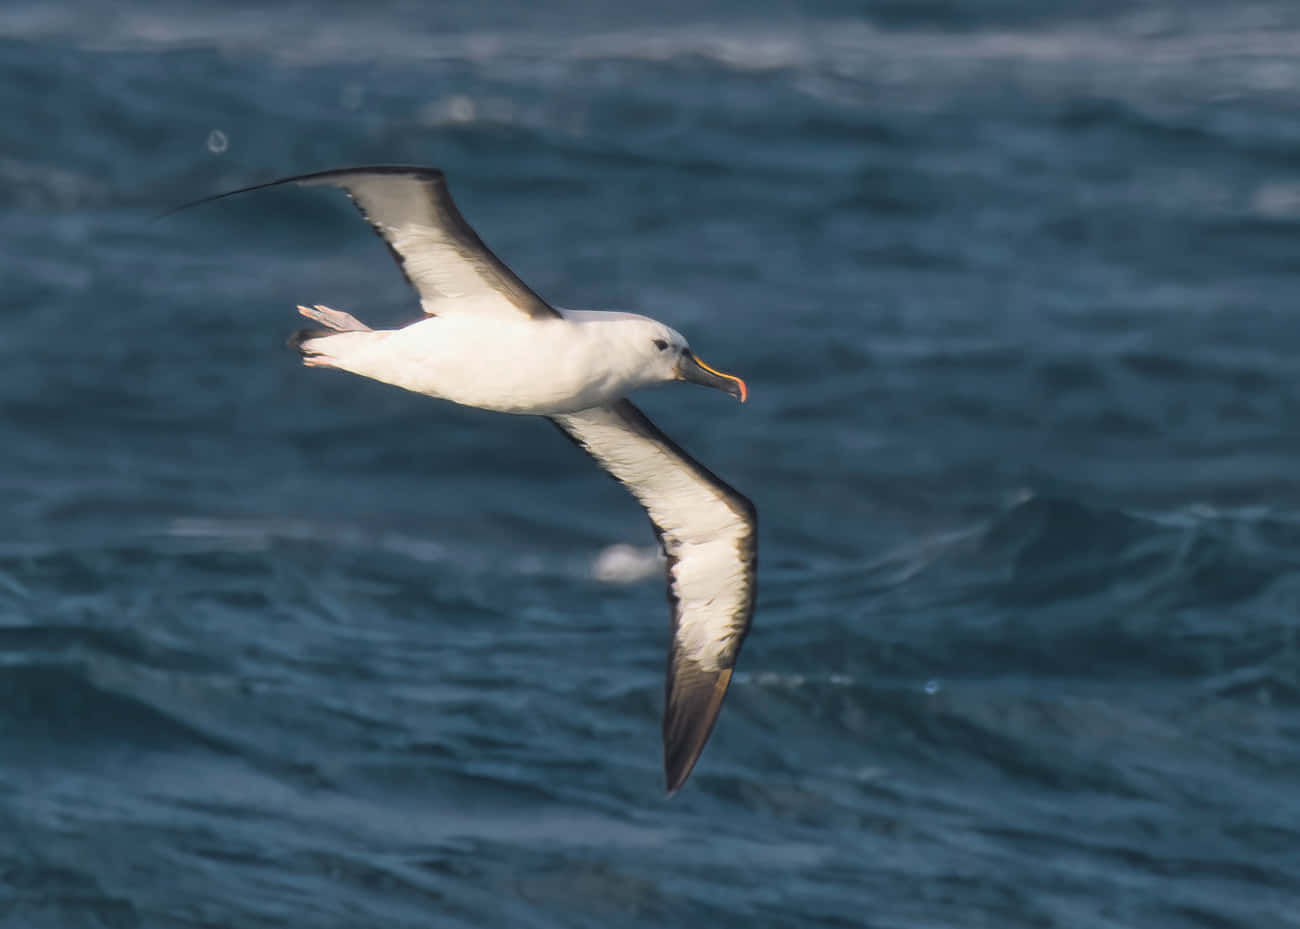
{"type": "Point", "coordinates": [626, 564]}
{"type": "Point", "coordinates": [259, 534]}
{"type": "Point", "coordinates": [616, 564]}
{"type": "Point", "coordinates": [1278, 199]}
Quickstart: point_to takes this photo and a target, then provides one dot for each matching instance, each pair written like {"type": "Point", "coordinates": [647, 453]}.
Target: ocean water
{"type": "Point", "coordinates": [1016, 290]}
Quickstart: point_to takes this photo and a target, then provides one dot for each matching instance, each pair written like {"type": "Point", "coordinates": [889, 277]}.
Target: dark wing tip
{"type": "Point", "coordinates": [694, 700]}
{"type": "Point", "coordinates": [316, 177]}
{"type": "Point", "coordinates": [324, 177]}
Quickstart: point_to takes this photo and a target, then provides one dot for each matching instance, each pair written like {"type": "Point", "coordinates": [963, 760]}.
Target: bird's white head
{"type": "Point", "coordinates": [662, 355]}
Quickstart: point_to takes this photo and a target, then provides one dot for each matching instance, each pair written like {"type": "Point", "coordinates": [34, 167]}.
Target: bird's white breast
{"type": "Point", "coordinates": [525, 366]}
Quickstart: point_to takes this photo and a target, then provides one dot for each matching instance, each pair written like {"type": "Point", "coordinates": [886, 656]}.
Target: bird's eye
{"type": "Point", "coordinates": [661, 344]}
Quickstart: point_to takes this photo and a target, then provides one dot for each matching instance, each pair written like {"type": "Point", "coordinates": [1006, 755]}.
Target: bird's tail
{"type": "Point", "coordinates": [311, 342]}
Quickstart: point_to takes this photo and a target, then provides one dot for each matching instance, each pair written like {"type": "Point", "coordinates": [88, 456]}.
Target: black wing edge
{"type": "Point", "coordinates": [692, 695]}
{"type": "Point", "coordinates": [429, 174]}
{"type": "Point", "coordinates": [523, 296]}
{"type": "Point", "coordinates": [691, 709]}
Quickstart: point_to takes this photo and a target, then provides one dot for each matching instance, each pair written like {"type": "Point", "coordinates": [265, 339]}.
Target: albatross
{"type": "Point", "coordinates": [487, 340]}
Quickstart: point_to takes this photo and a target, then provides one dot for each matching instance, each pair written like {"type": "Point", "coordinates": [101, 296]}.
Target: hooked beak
{"type": "Point", "coordinates": [692, 369]}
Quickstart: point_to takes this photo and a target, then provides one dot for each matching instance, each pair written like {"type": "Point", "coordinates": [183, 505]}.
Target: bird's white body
{"type": "Point", "coordinates": [512, 364]}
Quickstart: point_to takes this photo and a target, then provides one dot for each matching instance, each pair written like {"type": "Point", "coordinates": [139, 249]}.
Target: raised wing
{"type": "Point", "coordinates": [708, 531]}
{"type": "Point", "coordinates": [440, 254]}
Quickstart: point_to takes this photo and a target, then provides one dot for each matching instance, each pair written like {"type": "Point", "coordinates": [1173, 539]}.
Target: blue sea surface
{"type": "Point", "coordinates": [1016, 290]}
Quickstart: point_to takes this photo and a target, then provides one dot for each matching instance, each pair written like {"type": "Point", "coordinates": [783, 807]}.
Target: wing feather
{"type": "Point", "coordinates": [708, 532]}
{"type": "Point", "coordinates": [437, 250]}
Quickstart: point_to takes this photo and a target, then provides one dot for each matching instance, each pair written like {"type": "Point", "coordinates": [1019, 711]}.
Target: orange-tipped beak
{"type": "Point", "coordinates": [692, 369]}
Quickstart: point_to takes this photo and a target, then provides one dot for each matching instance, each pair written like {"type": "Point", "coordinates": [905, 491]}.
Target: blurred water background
{"type": "Point", "coordinates": [1014, 286]}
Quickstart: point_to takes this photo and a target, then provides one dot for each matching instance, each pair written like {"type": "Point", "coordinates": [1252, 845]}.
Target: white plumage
{"type": "Point", "coordinates": [513, 364]}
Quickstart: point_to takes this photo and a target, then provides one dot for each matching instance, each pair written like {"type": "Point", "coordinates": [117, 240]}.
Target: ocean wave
{"type": "Point", "coordinates": [56, 708]}
{"type": "Point", "coordinates": [1219, 49]}
{"type": "Point", "coordinates": [617, 564]}
{"type": "Point", "coordinates": [1049, 585]}
{"type": "Point", "coordinates": [260, 534]}
{"type": "Point", "coordinates": [1056, 548]}
{"type": "Point", "coordinates": [29, 185]}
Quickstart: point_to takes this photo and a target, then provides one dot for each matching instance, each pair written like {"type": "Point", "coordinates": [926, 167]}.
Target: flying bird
{"type": "Point", "coordinates": [487, 340]}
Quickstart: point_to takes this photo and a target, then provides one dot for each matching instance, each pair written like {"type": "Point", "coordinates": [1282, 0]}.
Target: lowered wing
{"type": "Point", "coordinates": [708, 532]}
